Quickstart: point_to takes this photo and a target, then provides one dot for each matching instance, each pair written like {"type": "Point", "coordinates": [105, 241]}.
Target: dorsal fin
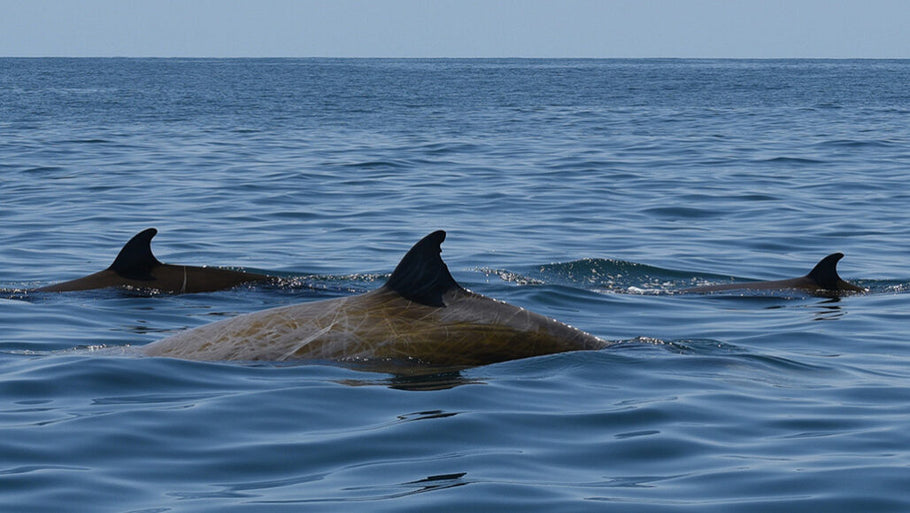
{"type": "Point", "coordinates": [135, 261]}
{"type": "Point", "coordinates": [825, 272]}
{"type": "Point", "coordinates": [422, 276]}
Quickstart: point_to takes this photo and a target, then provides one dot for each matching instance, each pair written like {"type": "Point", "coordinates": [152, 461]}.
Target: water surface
{"type": "Point", "coordinates": [584, 190]}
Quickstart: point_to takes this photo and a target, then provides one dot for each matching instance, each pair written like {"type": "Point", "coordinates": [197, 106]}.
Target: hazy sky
{"type": "Point", "coordinates": [462, 28]}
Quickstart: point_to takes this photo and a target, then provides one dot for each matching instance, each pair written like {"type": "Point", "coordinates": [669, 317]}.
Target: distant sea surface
{"type": "Point", "coordinates": [589, 191]}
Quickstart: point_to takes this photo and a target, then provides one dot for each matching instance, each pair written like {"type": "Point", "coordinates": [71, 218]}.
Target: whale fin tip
{"type": "Point", "coordinates": [421, 275]}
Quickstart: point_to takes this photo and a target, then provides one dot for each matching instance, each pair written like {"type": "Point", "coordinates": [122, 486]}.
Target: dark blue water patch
{"type": "Point", "coordinates": [86, 141]}
{"type": "Point", "coordinates": [382, 165]}
{"type": "Point", "coordinates": [44, 169]}
{"type": "Point", "coordinates": [682, 212]}
{"type": "Point", "coordinates": [857, 143]}
{"type": "Point", "coordinates": [790, 161]}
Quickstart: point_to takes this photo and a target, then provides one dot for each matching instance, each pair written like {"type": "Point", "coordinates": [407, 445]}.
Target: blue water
{"type": "Point", "coordinates": [584, 190]}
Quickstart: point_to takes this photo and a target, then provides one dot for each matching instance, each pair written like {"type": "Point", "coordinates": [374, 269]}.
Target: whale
{"type": "Point", "coordinates": [137, 268]}
{"type": "Point", "coordinates": [420, 317]}
{"type": "Point", "coordinates": [821, 280]}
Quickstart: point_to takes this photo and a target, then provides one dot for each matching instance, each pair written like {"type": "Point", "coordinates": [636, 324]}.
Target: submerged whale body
{"type": "Point", "coordinates": [136, 267]}
{"type": "Point", "coordinates": [420, 315]}
{"type": "Point", "coordinates": [822, 279]}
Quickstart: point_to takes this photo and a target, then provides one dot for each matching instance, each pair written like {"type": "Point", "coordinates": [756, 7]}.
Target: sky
{"type": "Point", "coordinates": [456, 28]}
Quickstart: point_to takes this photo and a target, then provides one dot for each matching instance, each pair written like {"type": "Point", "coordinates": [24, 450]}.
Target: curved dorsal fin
{"type": "Point", "coordinates": [824, 274]}
{"type": "Point", "coordinates": [422, 276]}
{"type": "Point", "coordinates": [135, 261]}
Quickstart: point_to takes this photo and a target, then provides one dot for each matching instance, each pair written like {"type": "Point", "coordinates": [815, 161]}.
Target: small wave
{"type": "Point", "coordinates": [689, 346]}
{"type": "Point", "coordinates": [855, 143]}
{"type": "Point", "coordinates": [713, 348]}
{"type": "Point", "coordinates": [72, 91]}
{"type": "Point", "coordinates": [381, 164]}
{"type": "Point", "coordinates": [602, 275]}
{"type": "Point", "coordinates": [13, 294]}
{"type": "Point", "coordinates": [450, 147]}
{"type": "Point", "coordinates": [884, 286]}
{"type": "Point", "coordinates": [682, 212]}
{"type": "Point", "coordinates": [357, 283]}
{"type": "Point", "coordinates": [510, 277]}
{"type": "Point", "coordinates": [791, 160]}
{"type": "Point", "coordinates": [44, 169]}
{"type": "Point", "coordinates": [87, 141]}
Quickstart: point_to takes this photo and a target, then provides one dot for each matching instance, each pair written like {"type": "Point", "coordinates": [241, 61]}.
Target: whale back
{"type": "Point", "coordinates": [822, 280]}
{"type": "Point", "coordinates": [381, 328]}
{"type": "Point", "coordinates": [419, 317]}
{"type": "Point", "coordinates": [136, 267]}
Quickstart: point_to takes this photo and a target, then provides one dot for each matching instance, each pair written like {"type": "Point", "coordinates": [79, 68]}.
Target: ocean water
{"type": "Point", "coordinates": [586, 190]}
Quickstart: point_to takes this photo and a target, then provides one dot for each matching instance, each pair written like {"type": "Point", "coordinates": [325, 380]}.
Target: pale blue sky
{"type": "Point", "coordinates": [448, 28]}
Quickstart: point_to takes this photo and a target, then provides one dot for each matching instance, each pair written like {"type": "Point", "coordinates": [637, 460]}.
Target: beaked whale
{"type": "Point", "coordinates": [136, 267]}
{"type": "Point", "coordinates": [821, 280]}
{"type": "Point", "coordinates": [421, 315]}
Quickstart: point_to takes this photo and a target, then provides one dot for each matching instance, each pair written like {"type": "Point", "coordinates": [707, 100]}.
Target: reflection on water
{"type": "Point", "coordinates": [421, 380]}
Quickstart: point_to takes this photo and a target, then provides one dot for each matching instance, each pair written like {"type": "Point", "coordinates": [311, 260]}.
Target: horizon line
{"type": "Point", "coordinates": [326, 57]}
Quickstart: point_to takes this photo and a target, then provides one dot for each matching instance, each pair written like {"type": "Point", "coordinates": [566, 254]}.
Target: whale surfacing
{"type": "Point", "coordinates": [136, 267]}
{"type": "Point", "coordinates": [420, 315]}
{"type": "Point", "coordinates": [822, 280]}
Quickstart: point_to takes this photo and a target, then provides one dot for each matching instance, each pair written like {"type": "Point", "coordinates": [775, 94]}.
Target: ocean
{"type": "Point", "coordinates": [590, 191]}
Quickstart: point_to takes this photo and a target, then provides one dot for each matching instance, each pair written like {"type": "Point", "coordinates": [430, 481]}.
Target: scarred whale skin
{"type": "Point", "coordinates": [822, 279]}
{"type": "Point", "coordinates": [420, 315]}
{"type": "Point", "coordinates": [136, 267]}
